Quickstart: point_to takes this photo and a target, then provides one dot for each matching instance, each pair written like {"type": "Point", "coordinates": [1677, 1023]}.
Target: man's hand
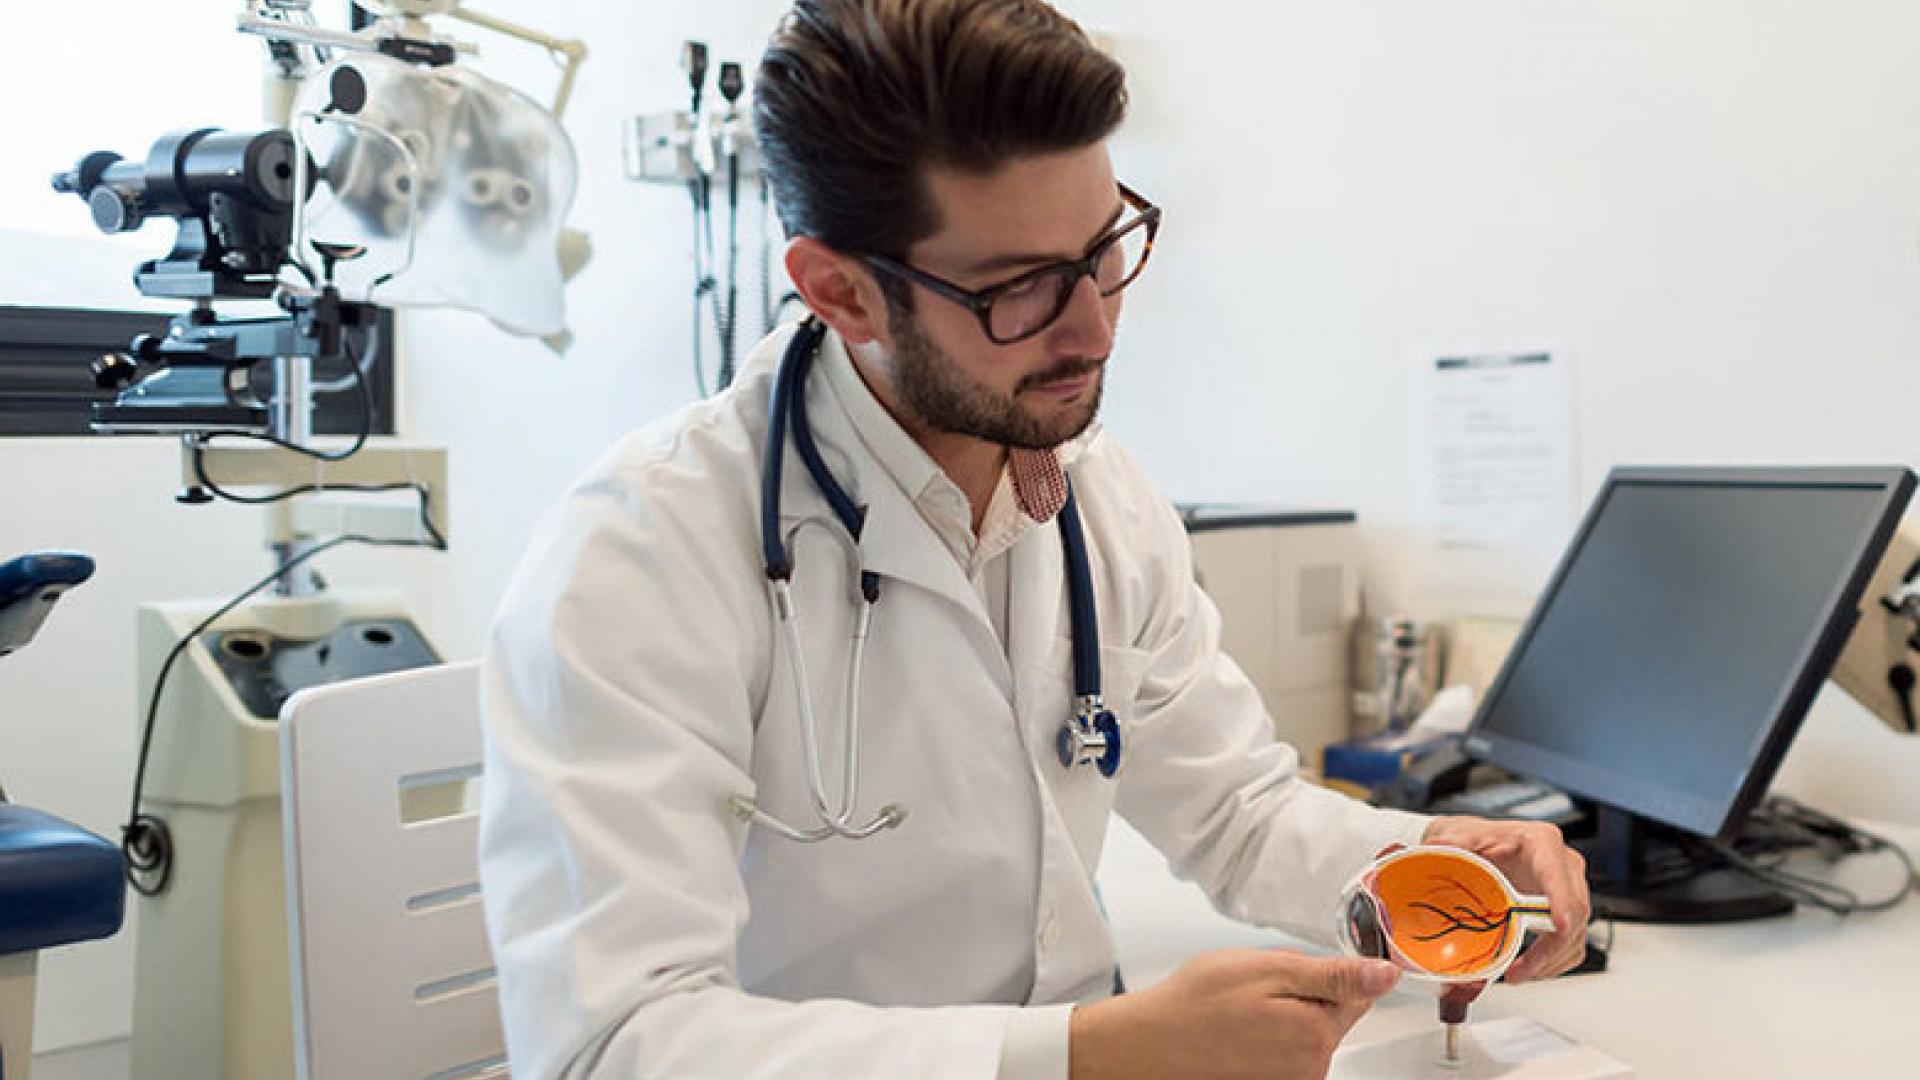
{"type": "Point", "coordinates": [1536, 859]}
{"type": "Point", "coordinates": [1231, 1013]}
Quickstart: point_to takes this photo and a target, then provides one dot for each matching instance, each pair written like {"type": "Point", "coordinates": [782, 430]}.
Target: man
{"type": "Point", "coordinates": [956, 225]}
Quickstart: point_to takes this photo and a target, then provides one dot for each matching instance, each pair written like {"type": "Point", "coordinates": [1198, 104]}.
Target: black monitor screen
{"type": "Point", "coordinates": [1684, 634]}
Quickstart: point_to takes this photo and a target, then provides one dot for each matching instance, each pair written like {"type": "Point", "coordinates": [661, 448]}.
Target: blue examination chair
{"type": "Point", "coordinates": [59, 883]}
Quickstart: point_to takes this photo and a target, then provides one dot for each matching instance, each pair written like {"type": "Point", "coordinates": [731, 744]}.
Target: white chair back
{"type": "Point", "coordinates": [392, 975]}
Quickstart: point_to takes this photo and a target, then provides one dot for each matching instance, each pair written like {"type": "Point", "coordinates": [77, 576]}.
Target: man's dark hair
{"type": "Point", "coordinates": [855, 99]}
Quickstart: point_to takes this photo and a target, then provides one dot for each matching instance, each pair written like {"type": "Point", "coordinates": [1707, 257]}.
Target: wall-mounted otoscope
{"type": "Point", "coordinates": [690, 148]}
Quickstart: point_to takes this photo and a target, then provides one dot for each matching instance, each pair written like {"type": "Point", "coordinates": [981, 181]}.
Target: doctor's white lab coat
{"type": "Point", "coordinates": [634, 683]}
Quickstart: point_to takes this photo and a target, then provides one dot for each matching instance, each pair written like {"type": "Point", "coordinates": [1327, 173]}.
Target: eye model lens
{"type": "Point", "coordinates": [1363, 928]}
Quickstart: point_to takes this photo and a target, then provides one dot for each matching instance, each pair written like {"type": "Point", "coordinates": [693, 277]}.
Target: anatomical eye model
{"type": "Point", "coordinates": [1440, 913]}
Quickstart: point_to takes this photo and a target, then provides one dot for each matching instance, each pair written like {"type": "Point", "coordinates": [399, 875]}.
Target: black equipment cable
{"type": "Point", "coordinates": [693, 61]}
{"type": "Point", "coordinates": [730, 317]}
{"type": "Point", "coordinates": [732, 83]}
{"type": "Point", "coordinates": [205, 482]}
{"type": "Point", "coordinates": [1787, 825]}
{"type": "Point", "coordinates": [1777, 829]}
{"type": "Point", "coordinates": [708, 286]}
{"type": "Point", "coordinates": [706, 289]}
{"type": "Point", "coordinates": [766, 254]}
{"type": "Point", "coordinates": [146, 844]}
{"type": "Point", "coordinates": [359, 438]}
{"type": "Point", "coordinates": [700, 282]}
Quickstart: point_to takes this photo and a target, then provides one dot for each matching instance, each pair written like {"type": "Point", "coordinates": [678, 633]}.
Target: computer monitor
{"type": "Point", "coordinates": [1678, 645]}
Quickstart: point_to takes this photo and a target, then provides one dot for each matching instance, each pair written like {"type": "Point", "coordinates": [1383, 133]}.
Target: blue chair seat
{"type": "Point", "coordinates": [59, 883]}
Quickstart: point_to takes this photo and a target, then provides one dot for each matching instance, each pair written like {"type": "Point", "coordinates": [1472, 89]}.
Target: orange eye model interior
{"type": "Point", "coordinates": [1443, 914]}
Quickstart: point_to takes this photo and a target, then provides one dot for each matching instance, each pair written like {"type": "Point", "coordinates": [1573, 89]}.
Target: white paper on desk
{"type": "Point", "coordinates": [1513, 1039]}
{"type": "Point", "coordinates": [1498, 473]}
{"type": "Point", "coordinates": [1510, 1048]}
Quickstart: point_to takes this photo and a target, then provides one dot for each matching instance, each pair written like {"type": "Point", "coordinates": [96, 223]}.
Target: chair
{"type": "Point", "coordinates": [392, 975]}
{"type": "Point", "coordinates": [59, 884]}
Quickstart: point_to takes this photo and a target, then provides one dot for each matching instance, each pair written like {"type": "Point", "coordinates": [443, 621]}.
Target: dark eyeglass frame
{"type": "Point", "coordinates": [980, 301]}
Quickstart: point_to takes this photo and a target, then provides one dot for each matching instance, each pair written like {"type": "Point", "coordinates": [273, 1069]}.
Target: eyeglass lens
{"type": "Point", "coordinates": [1032, 304]}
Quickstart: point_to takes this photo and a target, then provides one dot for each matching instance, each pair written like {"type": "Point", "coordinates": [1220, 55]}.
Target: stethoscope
{"type": "Point", "coordinates": [1090, 736]}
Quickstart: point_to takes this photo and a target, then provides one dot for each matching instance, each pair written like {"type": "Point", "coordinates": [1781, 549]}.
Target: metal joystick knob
{"type": "Point", "coordinates": [115, 209]}
{"type": "Point", "coordinates": [113, 370]}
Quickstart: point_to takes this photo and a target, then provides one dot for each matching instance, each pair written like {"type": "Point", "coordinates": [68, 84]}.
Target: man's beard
{"type": "Point", "coordinates": [944, 400]}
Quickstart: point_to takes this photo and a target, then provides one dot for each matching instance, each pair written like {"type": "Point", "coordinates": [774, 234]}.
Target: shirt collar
{"type": "Point", "coordinates": [905, 460]}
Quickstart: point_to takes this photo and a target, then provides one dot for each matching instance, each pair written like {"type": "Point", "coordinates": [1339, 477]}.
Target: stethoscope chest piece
{"type": "Point", "coordinates": [1090, 737]}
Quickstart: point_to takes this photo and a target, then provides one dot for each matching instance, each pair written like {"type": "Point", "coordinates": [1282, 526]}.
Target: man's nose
{"type": "Point", "coordinates": [1085, 328]}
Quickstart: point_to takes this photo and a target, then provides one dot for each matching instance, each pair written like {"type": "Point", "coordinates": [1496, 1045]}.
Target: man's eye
{"type": "Point", "coordinates": [1022, 290]}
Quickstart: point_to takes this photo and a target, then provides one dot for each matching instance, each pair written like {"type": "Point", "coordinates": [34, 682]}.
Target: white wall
{"type": "Point", "coordinates": [1709, 207]}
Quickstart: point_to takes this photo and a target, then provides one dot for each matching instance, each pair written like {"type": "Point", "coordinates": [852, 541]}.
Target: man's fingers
{"type": "Point", "coordinates": [1359, 984]}
{"type": "Point", "coordinates": [1337, 980]}
{"type": "Point", "coordinates": [1537, 859]}
{"type": "Point", "coordinates": [1562, 874]}
{"type": "Point", "coordinates": [1550, 955]}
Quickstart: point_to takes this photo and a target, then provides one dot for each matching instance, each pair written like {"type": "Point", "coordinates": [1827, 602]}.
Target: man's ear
{"type": "Point", "coordinates": [838, 288]}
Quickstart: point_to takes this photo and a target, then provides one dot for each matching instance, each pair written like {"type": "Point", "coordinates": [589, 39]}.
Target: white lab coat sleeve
{"type": "Point", "coordinates": [1206, 781]}
{"type": "Point", "coordinates": [619, 693]}
{"type": "Point", "coordinates": [1036, 1042]}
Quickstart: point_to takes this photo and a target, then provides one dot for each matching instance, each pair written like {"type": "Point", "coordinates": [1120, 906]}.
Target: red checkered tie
{"type": "Point", "coordinates": [1039, 484]}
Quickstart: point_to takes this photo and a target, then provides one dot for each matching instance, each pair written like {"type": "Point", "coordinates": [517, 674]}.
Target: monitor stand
{"type": "Point", "coordinates": [1621, 859]}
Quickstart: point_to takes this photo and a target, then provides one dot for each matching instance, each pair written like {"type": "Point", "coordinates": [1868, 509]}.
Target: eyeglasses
{"type": "Point", "coordinates": [1016, 310]}
{"type": "Point", "coordinates": [1439, 913]}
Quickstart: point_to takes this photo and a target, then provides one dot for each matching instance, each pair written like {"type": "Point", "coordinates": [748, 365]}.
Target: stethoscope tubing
{"type": "Point", "coordinates": [834, 821]}
{"type": "Point", "coordinates": [1086, 647]}
{"type": "Point", "coordinates": [787, 413]}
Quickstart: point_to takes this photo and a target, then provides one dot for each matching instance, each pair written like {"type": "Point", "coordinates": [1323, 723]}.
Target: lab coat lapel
{"type": "Point", "coordinates": [1037, 622]}
{"type": "Point", "coordinates": [899, 543]}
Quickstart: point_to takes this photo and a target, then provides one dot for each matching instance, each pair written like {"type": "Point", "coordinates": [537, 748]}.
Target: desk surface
{"type": "Point", "coordinates": [1812, 994]}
